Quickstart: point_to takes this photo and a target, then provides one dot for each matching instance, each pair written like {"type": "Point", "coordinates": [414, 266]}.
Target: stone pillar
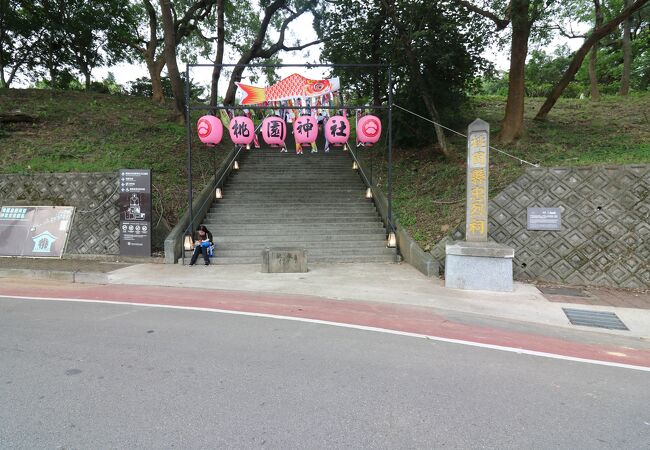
{"type": "Point", "coordinates": [476, 263]}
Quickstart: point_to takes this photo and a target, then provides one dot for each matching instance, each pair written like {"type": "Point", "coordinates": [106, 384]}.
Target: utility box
{"type": "Point", "coordinates": [284, 260]}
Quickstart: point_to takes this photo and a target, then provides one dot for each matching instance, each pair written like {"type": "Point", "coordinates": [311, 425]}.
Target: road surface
{"type": "Point", "coordinates": [96, 375]}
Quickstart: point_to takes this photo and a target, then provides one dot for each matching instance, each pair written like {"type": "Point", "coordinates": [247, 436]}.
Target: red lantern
{"type": "Point", "coordinates": [368, 130]}
{"type": "Point", "coordinates": [274, 131]}
{"type": "Point", "coordinates": [210, 130]}
{"type": "Point", "coordinates": [242, 130]}
{"type": "Point", "coordinates": [305, 130]}
{"type": "Point", "coordinates": [337, 130]}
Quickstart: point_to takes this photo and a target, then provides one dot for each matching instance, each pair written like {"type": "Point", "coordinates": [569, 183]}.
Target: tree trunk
{"type": "Point", "coordinates": [593, 76]}
{"type": "Point", "coordinates": [87, 80]}
{"type": "Point", "coordinates": [593, 58]}
{"type": "Point", "coordinates": [216, 71]}
{"type": "Point", "coordinates": [627, 56]}
{"type": "Point", "coordinates": [512, 126]}
{"type": "Point", "coordinates": [579, 56]}
{"type": "Point", "coordinates": [155, 68]}
{"type": "Point", "coordinates": [170, 59]}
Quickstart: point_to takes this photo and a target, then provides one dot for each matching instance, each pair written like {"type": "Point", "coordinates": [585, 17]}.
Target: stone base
{"type": "Point", "coordinates": [284, 260]}
{"type": "Point", "coordinates": [481, 266]}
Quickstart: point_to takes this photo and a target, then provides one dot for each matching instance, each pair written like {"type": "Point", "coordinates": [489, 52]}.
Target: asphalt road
{"type": "Point", "coordinates": [87, 375]}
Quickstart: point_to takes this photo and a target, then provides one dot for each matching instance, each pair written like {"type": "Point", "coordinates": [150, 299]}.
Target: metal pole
{"type": "Point", "coordinates": [390, 149]}
{"type": "Point", "coordinates": [189, 148]}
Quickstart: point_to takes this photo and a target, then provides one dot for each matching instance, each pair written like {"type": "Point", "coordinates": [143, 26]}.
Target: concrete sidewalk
{"type": "Point", "coordinates": [381, 282]}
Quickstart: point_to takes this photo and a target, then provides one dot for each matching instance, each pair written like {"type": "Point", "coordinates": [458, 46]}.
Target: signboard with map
{"type": "Point", "coordinates": [135, 212]}
{"type": "Point", "coordinates": [34, 231]}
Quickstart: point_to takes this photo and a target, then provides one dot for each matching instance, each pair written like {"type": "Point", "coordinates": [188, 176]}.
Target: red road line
{"type": "Point", "coordinates": [408, 319]}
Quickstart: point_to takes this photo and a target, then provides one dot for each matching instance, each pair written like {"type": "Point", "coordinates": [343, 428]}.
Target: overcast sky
{"type": "Point", "coordinates": [303, 25]}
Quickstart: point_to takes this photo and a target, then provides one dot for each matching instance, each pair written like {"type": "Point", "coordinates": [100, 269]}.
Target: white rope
{"type": "Point", "coordinates": [465, 136]}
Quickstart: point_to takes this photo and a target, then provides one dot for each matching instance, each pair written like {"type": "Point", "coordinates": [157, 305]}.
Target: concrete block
{"type": "Point", "coordinates": [482, 266]}
{"type": "Point", "coordinates": [284, 260]}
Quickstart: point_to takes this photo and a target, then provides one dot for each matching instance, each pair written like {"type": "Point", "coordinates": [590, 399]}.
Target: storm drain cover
{"type": "Point", "coordinates": [599, 319]}
{"type": "Point", "coordinates": [556, 290]}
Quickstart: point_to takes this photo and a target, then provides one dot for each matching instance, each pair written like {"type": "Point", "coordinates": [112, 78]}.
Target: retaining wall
{"type": "Point", "coordinates": [605, 235]}
{"type": "Point", "coordinates": [94, 195]}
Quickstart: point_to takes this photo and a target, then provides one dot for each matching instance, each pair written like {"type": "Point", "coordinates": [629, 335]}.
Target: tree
{"type": "Point", "coordinates": [593, 76]}
{"type": "Point", "coordinates": [521, 15]}
{"type": "Point", "coordinates": [281, 13]}
{"type": "Point", "coordinates": [597, 34]}
{"type": "Point", "coordinates": [434, 52]}
{"type": "Point", "coordinates": [627, 54]}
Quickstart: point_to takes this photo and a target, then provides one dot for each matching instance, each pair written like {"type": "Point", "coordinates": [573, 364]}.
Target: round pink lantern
{"type": "Point", "coordinates": [210, 130]}
{"type": "Point", "coordinates": [337, 130]}
{"type": "Point", "coordinates": [274, 131]}
{"type": "Point", "coordinates": [242, 130]}
{"type": "Point", "coordinates": [305, 129]}
{"type": "Point", "coordinates": [368, 130]}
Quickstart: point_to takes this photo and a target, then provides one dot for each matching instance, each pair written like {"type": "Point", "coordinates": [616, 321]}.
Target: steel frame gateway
{"type": "Point", "coordinates": [189, 108]}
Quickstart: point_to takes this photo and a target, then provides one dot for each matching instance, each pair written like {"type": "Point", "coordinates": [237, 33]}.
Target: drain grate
{"type": "Point", "coordinates": [558, 290]}
{"type": "Point", "coordinates": [599, 319]}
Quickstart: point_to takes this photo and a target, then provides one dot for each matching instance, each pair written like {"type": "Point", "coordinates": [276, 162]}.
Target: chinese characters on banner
{"type": "Point", "coordinates": [478, 138]}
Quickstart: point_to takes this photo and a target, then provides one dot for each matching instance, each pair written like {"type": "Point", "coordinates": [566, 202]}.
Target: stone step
{"type": "Point", "coordinates": [293, 202]}
{"type": "Point", "coordinates": [252, 227]}
{"type": "Point", "coordinates": [300, 237]}
{"type": "Point", "coordinates": [317, 259]}
{"type": "Point", "coordinates": [309, 245]}
{"type": "Point", "coordinates": [218, 219]}
{"type": "Point", "coordinates": [312, 252]}
{"type": "Point", "coordinates": [299, 209]}
{"type": "Point", "coordinates": [290, 229]}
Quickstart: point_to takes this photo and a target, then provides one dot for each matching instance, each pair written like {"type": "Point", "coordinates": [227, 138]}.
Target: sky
{"type": "Point", "coordinates": [303, 27]}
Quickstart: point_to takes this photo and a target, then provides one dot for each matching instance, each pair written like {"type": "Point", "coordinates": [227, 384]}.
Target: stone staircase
{"type": "Point", "coordinates": [315, 201]}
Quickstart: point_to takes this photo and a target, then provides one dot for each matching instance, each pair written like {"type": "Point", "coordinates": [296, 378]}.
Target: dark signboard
{"type": "Point", "coordinates": [135, 212]}
{"type": "Point", "coordinates": [548, 219]}
{"type": "Point", "coordinates": [36, 231]}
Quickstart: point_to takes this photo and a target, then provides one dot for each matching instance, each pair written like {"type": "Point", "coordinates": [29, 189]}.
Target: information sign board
{"type": "Point", "coordinates": [135, 212]}
{"type": "Point", "coordinates": [36, 231]}
{"type": "Point", "coordinates": [544, 219]}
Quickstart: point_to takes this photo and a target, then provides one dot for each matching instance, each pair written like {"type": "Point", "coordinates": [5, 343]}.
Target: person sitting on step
{"type": "Point", "coordinates": [203, 245]}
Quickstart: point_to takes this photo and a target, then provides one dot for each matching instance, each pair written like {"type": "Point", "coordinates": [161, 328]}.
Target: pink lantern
{"type": "Point", "coordinates": [368, 130]}
{"type": "Point", "coordinates": [242, 130]}
{"type": "Point", "coordinates": [305, 129]}
{"type": "Point", "coordinates": [210, 130]}
{"type": "Point", "coordinates": [337, 130]}
{"type": "Point", "coordinates": [274, 131]}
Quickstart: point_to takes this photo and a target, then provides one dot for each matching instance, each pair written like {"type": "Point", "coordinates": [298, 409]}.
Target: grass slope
{"type": "Point", "coordinates": [91, 132]}
{"type": "Point", "coordinates": [429, 192]}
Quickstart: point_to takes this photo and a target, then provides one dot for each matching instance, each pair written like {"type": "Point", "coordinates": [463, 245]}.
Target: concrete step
{"type": "Point", "coordinates": [316, 259]}
{"type": "Point", "coordinates": [289, 229]}
{"type": "Point", "coordinates": [293, 202]}
{"type": "Point", "coordinates": [299, 236]}
{"type": "Point", "coordinates": [312, 252]}
{"type": "Point", "coordinates": [288, 218]}
{"type": "Point", "coordinates": [309, 245]}
{"type": "Point", "coordinates": [299, 209]}
{"type": "Point", "coordinates": [224, 228]}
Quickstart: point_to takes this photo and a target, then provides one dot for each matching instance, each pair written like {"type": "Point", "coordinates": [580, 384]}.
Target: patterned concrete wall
{"type": "Point", "coordinates": [95, 226]}
{"type": "Point", "coordinates": [605, 236]}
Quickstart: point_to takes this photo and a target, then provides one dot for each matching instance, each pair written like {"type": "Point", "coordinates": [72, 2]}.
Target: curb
{"type": "Point", "coordinates": [56, 275]}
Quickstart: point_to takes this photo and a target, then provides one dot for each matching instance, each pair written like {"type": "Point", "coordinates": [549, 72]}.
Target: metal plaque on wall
{"type": "Point", "coordinates": [544, 219]}
{"type": "Point", "coordinates": [135, 212]}
{"type": "Point", "coordinates": [35, 231]}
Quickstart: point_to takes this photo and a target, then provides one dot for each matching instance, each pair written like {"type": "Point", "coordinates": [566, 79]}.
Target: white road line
{"type": "Point", "coordinates": [352, 326]}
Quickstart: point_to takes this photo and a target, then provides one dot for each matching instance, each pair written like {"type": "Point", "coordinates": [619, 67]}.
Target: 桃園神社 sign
{"type": "Point", "coordinates": [34, 231]}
